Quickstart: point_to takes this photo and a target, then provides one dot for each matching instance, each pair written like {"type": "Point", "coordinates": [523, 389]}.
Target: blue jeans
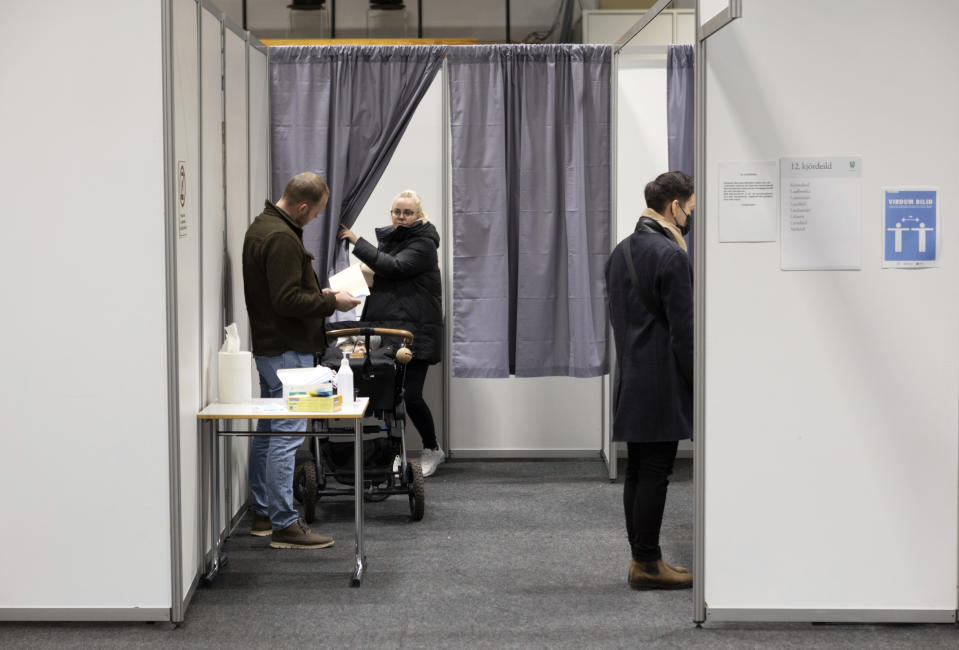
{"type": "Point", "coordinates": [272, 458]}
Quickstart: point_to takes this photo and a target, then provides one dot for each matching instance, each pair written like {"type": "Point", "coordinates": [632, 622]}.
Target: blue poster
{"type": "Point", "coordinates": [911, 228]}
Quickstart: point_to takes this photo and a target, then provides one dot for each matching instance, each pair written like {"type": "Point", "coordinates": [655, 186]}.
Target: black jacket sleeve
{"type": "Point", "coordinates": [417, 256]}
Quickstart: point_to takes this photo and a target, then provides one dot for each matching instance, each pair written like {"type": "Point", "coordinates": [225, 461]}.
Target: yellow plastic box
{"type": "Point", "coordinates": [329, 404]}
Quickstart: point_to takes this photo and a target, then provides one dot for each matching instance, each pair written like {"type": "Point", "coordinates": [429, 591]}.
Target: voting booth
{"type": "Point", "coordinates": [827, 349]}
{"type": "Point", "coordinates": [827, 341]}
{"type": "Point", "coordinates": [136, 154]}
{"type": "Point", "coordinates": [644, 141]}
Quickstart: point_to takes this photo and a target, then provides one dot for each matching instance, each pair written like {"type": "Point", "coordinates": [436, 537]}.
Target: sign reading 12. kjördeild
{"type": "Point", "coordinates": [910, 228]}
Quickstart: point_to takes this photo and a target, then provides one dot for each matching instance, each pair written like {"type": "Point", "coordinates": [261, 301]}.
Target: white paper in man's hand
{"type": "Point", "coordinates": [350, 279]}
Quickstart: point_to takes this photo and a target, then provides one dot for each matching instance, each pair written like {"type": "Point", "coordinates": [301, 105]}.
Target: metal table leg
{"type": "Point", "coordinates": [357, 578]}
{"type": "Point", "coordinates": [218, 559]}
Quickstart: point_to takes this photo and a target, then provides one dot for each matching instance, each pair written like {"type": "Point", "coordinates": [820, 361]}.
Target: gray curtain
{"type": "Point", "coordinates": [340, 111]}
{"type": "Point", "coordinates": [680, 85]}
{"type": "Point", "coordinates": [531, 208]}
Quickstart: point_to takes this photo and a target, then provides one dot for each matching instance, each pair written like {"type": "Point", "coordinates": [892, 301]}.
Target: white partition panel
{"type": "Point", "coordinates": [709, 9]}
{"type": "Point", "coordinates": [84, 450]}
{"type": "Point", "coordinates": [642, 151]}
{"type": "Point", "coordinates": [237, 221]}
{"type": "Point", "coordinates": [186, 127]}
{"type": "Point", "coordinates": [237, 177]}
{"type": "Point", "coordinates": [259, 91]}
{"type": "Point", "coordinates": [213, 213]}
{"type": "Point", "coordinates": [609, 26]}
{"type": "Point", "coordinates": [539, 417]}
{"type": "Point", "coordinates": [831, 397]}
{"type": "Point", "coordinates": [213, 207]}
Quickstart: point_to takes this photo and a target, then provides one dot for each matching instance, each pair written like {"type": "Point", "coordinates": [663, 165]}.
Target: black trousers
{"type": "Point", "coordinates": [648, 467]}
{"type": "Point", "coordinates": [416, 406]}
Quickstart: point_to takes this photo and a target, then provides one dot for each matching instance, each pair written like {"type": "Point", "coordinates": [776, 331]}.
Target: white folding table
{"type": "Point", "coordinates": [275, 409]}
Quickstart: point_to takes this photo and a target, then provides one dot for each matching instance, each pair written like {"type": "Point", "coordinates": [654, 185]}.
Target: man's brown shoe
{"type": "Point", "coordinates": [261, 525]}
{"type": "Point", "coordinates": [297, 535]}
{"type": "Point", "coordinates": [657, 575]}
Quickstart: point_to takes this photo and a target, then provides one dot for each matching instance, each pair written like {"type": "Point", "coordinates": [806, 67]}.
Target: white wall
{"type": "Point", "coordinates": [831, 420]}
{"type": "Point", "coordinates": [213, 202]}
{"type": "Point", "coordinates": [85, 435]}
{"type": "Point", "coordinates": [538, 417]}
{"type": "Point", "coordinates": [186, 121]}
{"type": "Point", "coordinates": [669, 26]}
{"type": "Point", "coordinates": [237, 221]}
{"type": "Point", "coordinates": [235, 122]}
{"type": "Point", "coordinates": [86, 273]}
{"type": "Point", "coordinates": [213, 230]}
{"type": "Point", "coordinates": [709, 9]}
{"type": "Point", "coordinates": [642, 151]}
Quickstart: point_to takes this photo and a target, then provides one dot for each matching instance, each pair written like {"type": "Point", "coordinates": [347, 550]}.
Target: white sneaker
{"type": "Point", "coordinates": [397, 463]}
{"type": "Point", "coordinates": [430, 459]}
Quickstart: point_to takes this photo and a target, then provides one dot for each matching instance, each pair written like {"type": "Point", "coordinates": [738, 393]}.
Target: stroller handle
{"type": "Point", "coordinates": [403, 355]}
{"type": "Point", "coordinates": [373, 331]}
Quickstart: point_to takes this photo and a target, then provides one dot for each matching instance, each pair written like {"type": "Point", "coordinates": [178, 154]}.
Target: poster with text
{"type": "Point", "coordinates": [910, 218]}
{"type": "Point", "coordinates": [820, 206]}
{"type": "Point", "coordinates": [748, 200]}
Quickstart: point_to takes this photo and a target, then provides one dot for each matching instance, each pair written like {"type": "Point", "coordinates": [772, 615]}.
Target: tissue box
{"type": "Point", "coordinates": [235, 377]}
{"type": "Point", "coordinates": [302, 402]}
{"type": "Point", "coordinates": [304, 381]}
{"type": "Point", "coordinates": [309, 389]}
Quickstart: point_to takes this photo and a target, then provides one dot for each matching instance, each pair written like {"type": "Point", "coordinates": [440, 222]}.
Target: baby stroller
{"type": "Point", "coordinates": [379, 369]}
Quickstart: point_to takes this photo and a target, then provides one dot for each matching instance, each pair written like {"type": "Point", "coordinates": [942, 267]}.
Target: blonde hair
{"type": "Point", "coordinates": [413, 196]}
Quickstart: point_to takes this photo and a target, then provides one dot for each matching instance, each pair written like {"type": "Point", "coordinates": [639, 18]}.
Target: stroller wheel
{"type": "Point", "coordinates": [414, 476]}
{"type": "Point", "coordinates": [304, 485]}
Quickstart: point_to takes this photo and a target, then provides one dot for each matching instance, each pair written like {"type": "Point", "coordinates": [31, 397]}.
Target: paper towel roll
{"type": "Point", "coordinates": [235, 377]}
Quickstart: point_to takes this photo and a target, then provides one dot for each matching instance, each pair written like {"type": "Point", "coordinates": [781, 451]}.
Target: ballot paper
{"type": "Point", "coordinates": [350, 279]}
{"type": "Point", "coordinates": [270, 408]}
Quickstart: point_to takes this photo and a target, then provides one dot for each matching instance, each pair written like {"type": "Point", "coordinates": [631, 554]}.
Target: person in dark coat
{"type": "Point", "coordinates": [407, 294]}
{"type": "Point", "coordinates": [652, 320]}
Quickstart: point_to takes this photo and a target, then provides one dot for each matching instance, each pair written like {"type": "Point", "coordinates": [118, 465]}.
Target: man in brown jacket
{"type": "Point", "coordinates": [286, 308]}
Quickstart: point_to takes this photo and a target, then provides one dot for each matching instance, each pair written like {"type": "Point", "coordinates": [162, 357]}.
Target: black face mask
{"type": "Point", "coordinates": [689, 222]}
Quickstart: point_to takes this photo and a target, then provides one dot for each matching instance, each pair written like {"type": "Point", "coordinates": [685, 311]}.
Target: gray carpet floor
{"type": "Point", "coordinates": [509, 555]}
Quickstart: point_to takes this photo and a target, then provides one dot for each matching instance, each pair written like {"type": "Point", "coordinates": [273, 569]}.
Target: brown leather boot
{"type": "Point", "coordinates": [677, 569]}
{"type": "Point", "coordinates": [298, 535]}
{"type": "Point", "coordinates": [656, 574]}
{"type": "Point", "coordinates": [261, 525]}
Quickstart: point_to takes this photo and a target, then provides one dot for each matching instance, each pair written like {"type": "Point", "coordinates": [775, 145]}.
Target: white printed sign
{"type": "Point", "coordinates": [748, 198]}
{"type": "Point", "coordinates": [820, 212]}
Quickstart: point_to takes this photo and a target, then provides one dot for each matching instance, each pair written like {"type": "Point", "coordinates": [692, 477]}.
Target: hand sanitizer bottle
{"type": "Point", "coordinates": [344, 380]}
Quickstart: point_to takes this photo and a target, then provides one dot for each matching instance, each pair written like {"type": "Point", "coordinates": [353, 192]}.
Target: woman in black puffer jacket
{"type": "Point", "coordinates": [407, 294]}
